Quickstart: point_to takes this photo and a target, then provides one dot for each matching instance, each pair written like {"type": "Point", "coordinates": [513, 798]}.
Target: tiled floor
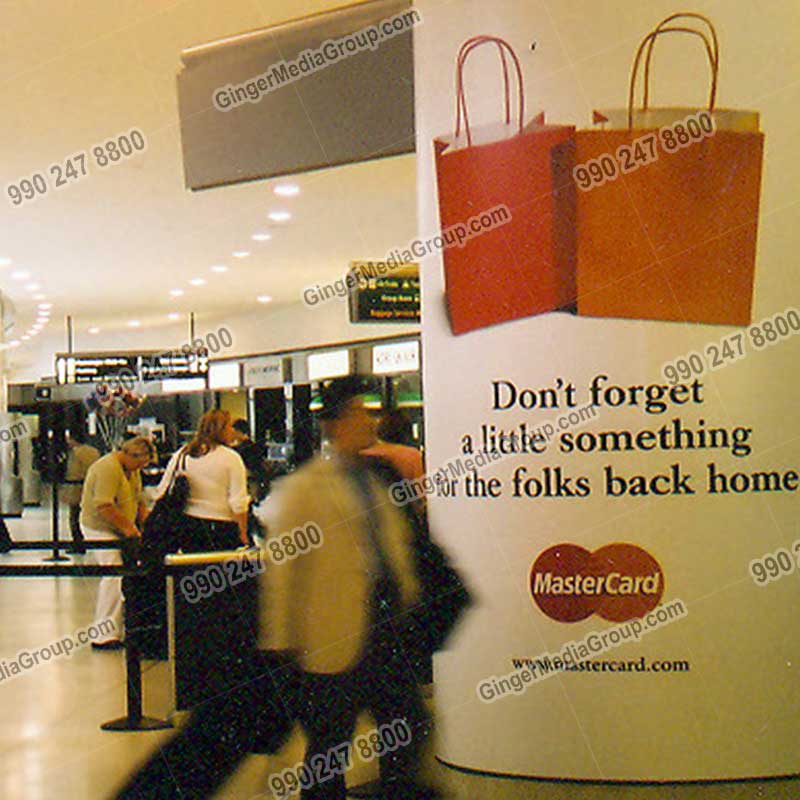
{"type": "Point", "coordinates": [51, 745]}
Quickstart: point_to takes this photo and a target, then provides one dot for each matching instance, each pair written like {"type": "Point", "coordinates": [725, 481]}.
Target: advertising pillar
{"type": "Point", "coordinates": [611, 334]}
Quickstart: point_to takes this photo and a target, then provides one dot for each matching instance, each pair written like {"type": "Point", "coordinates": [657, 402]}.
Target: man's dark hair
{"type": "Point", "coordinates": [335, 395]}
{"type": "Point", "coordinates": [241, 426]}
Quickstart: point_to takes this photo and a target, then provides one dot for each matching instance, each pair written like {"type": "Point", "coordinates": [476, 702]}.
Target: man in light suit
{"type": "Point", "coordinates": [331, 608]}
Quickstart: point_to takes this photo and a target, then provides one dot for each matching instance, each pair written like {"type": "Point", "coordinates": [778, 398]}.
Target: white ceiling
{"type": "Point", "coordinates": [109, 248]}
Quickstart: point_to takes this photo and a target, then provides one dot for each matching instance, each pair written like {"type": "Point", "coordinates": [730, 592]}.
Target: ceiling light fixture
{"type": "Point", "coordinates": [40, 297]}
{"type": "Point", "coordinates": [241, 253]}
{"type": "Point", "coordinates": [94, 330]}
{"type": "Point", "coordinates": [279, 216]}
{"type": "Point", "coordinates": [25, 338]}
{"type": "Point", "coordinates": [176, 292]}
{"type": "Point", "coordinates": [287, 190]}
{"type": "Point", "coordinates": [33, 287]}
{"type": "Point", "coordinates": [219, 268]}
{"type": "Point", "coordinates": [45, 306]}
{"type": "Point", "coordinates": [173, 316]}
{"type": "Point", "coordinates": [198, 281]}
{"type": "Point", "coordinates": [261, 237]}
{"type": "Point", "coordinates": [134, 323]}
{"type": "Point", "coordinates": [264, 298]}
{"type": "Point", "coordinates": [20, 275]}
{"type": "Point", "coordinates": [5, 262]}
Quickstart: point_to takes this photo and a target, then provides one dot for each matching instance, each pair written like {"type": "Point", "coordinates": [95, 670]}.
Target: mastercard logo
{"type": "Point", "coordinates": [618, 582]}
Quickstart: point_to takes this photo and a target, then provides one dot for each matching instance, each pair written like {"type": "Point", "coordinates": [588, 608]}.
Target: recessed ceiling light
{"type": "Point", "coordinates": [37, 327]}
{"type": "Point", "coordinates": [241, 253]}
{"type": "Point", "coordinates": [173, 316]}
{"type": "Point", "coordinates": [261, 237]}
{"type": "Point", "coordinates": [198, 281]}
{"type": "Point", "coordinates": [45, 306]}
{"type": "Point", "coordinates": [176, 292]}
{"type": "Point", "coordinates": [287, 189]}
{"type": "Point", "coordinates": [20, 275]}
{"type": "Point", "coordinates": [264, 298]}
{"type": "Point", "coordinates": [42, 320]}
{"type": "Point", "coordinates": [5, 262]}
{"type": "Point", "coordinates": [40, 297]}
{"type": "Point", "coordinates": [14, 343]}
{"type": "Point", "coordinates": [33, 287]}
{"type": "Point", "coordinates": [134, 323]}
{"type": "Point", "coordinates": [279, 216]}
{"type": "Point", "coordinates": [25, 338]}
{"type": "Point", "coordinates": [219, 268]}
{"type": "Point", "coordinates": [34, 331]}
{"type": "Point", "coordinates": [93, 330]}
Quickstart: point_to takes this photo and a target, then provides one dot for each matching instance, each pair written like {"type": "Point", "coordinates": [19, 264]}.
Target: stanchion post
{"type": "Point", "coordinates": [133, 721]}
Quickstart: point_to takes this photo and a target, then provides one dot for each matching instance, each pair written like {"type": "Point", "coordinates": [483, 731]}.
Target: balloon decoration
{"type": "Point", "coordinates": [113, 409]}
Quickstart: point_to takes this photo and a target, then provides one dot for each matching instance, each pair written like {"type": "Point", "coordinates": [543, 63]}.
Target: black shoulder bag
{"type": "Point", "coordinates": [444, 597]}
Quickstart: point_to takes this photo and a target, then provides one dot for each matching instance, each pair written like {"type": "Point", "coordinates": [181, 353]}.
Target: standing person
{"type": "Point", "coordinates": [253, 456]}
{"type": "Point", "coordinates": [215, 517]}
{"type": "Point", "coordinates": [391, 443]}
{"type": "Point", "coordinates": [346, 649]}
{"type": "Point", "coordinates": [112, 507]}
{"type": "Point", "coordinates": [81, 457]}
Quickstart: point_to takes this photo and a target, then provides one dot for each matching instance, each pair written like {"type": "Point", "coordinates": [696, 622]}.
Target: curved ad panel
{"type": "Point", "coordinates": [611, 320]}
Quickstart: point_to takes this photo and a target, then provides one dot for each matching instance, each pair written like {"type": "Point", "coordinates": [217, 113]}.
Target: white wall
{"type": "Point", "coordinates": [286, 327]}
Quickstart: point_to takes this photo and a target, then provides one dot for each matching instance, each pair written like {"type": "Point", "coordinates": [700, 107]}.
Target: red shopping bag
{"type": "Point", "coordinates": [514, 195]}
{"type": "Point", "coordinates": [674, 238]}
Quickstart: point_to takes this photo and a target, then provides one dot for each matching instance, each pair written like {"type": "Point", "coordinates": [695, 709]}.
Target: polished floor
{"type": "Point", "coordinates": [51, 745]}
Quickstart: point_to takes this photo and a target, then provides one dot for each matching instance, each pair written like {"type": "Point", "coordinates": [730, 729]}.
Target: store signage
{"type": "Point", "coordinates": [224, 375]}
{"type": "Point", "coordinates": [381, 291]}
{"type": "Point", "coordinates": [617, 582]}
{"type": "Point", "coordinates": [264, 372]}
{"type": "Point", "coordinates": [332, 364]}
{"type": "Point", "coordinates": [390, 358]}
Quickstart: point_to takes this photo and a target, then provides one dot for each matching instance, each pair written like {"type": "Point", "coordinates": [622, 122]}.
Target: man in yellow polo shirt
{"type": "Point", "coordinates": [112, 506]}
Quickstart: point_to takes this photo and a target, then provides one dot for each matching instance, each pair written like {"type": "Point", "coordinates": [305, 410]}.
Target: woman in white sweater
{"type": "Point", "coordinates": [215, 517]}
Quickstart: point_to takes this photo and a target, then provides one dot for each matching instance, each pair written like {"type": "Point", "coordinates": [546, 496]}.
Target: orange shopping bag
{"type": "Point", "coordinates": [518, 181]}
{"type": "Point", "coordinates": [667, 207]}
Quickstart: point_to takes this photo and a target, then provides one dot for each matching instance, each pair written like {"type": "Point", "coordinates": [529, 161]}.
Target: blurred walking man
{"type": "Point", "coordinates": [330, 608]}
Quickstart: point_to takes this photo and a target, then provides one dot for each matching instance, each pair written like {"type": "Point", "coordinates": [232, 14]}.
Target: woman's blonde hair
{"type": "Point", "coordinates": [209, 433]}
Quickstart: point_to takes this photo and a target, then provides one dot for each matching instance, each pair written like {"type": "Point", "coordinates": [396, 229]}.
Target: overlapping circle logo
{"type": "Point", "coordinates": [617, 582]}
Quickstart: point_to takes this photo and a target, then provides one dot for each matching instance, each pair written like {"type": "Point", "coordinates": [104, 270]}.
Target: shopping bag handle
{"type": "Point", "coordinates": [464, 50]}
{"type": "Point", "coordinates": [650, 37]}
{"type": "Point", "coordinates": [660, 26]}
{"type": "Point", "coordinates": [461, 103]}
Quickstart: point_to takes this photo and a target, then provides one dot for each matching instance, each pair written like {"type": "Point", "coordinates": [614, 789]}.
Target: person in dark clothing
{"type": "Point", "coordinates": [253, 456]}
